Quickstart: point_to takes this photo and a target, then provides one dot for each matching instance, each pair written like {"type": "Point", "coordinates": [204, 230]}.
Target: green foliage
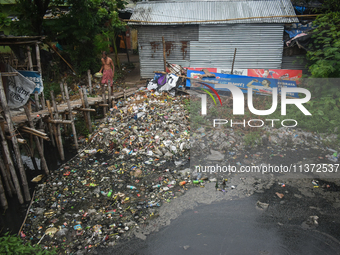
{"type": "Point", "coordinates": [48, 87]}
{"type": "Point", "coordinates": [84, 31]}
{"type": "Point", "coordinates": [253, 139]}
{"type": "Point", "coordinates": [324, 56]}
{"type": "Point", "coordinates": [12, 244]}
{"type": "Point", "coordinates": [4, 21]}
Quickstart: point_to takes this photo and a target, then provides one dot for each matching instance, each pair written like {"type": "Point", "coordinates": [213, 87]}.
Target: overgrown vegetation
{"type": "Point", "coordinates": [83, 28]}
{"type": "Point", "coordinates": [13, 245]}
{"type": "Point", "coordinates": [324, 53]}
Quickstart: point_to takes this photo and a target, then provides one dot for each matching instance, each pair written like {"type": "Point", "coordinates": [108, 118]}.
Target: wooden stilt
{"type": "Point", "coordinates": [64, 125]}
{"type": "Point", "coordinates": [11, 166]}
{"type": "Point", "coordinates": [90, 82]}
{"type": "Point", "coordinates": [81, 94]}
{"type": "Point", "coordinates": [124, 94]}
{"type": "Point", "coordinates": [110, 94]}
{"type": "Point", "coordinates": [62, 90]}
{"type": "Point", "coordinates": [43, 103]}
{"type": "Point", "coordinates": [36, 98]}
{"type": "Point", "coordinates": [37, 53]}
{"type": "Point", "coordinates": [87, 107]}
{"type": "Point", "coordinates": [6, 178]}
{"type": "Point", "coordinates": [8, 117]}
{"type": "Point", "coordinates": [3, 199]}
{"type": "Point", "coordinates": [49, 125]}
{"type": "Point", "coordinates": [54, 128]}
{"type": "Point", "coordinates": [71, 117]}
{"type": "Point", "coordinates": [61, 148]}
{"type": "Point", "coordinates": [41, 127]}
{"type": "Point", "coordinates": [29, 56]}
{"type": "Point", "coordinates": [104, 100]}
{"type": "Point", "coordinates": [37, 143]}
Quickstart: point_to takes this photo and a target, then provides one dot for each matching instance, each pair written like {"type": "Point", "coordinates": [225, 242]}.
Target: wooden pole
{"type": "Point", "coordinates": [37, 52]}
{"type": "Point", "coordinates": [232, 66]}
{"type": "Point", "coordinates": [164, 53]}
{"type": "Point", "coordinates": [3, 196]}
{"type": "Point", "coordinates": [36, 98]}
{"type": "Point", "coordinates": [6, 178]}
{"type": "Point", "coordinates": [104, 100]}
{"type": "Point", "coordinates": [90, 81]}
{"type": "Point", "coordinates": [43, 103]}
{"type": "Point", "coordinates": [37, 142]}
{"type": "Point", "coordinates": [127, 51]}
{"type": "Point", "coordinates": [71, 117]}
{"type": "Point", "coordinates": [109, 94]}
{"type": "Point", "coordinates": [83, 105]}
{"type": "Point", "coordinates": [8, 117]}
{"type": "Point", "coordinates": [61, 148]}
{"type": "Point", "coordinates": [49, 125]}
{"type": "Point", "coordinates": [30, 64]}
{"type": "Point", "coordinates": [11, 165]}
{"type": "Point", "coordinates": [41, 127]}
{"type": "Point", "coordinates": [87, 107]}
{"type": "Point", "coordinates": [62, 90]}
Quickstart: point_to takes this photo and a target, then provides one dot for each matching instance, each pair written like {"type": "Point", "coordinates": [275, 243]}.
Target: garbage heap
{"type": "Point", "coordinates": [135, 161]}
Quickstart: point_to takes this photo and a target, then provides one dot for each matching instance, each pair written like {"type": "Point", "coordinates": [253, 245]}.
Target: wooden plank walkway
{"type": "Point", "coordinates": [20, 117]}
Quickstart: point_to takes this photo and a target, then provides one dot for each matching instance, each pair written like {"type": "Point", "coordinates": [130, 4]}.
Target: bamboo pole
{"type": "Point", "coordinates": [3, 199]}
{"type": "Point", "coordinates": [109, 94]}
{"type": "Point", "coordinates": [86, 110]}
{"type": "Point", "coordinates": [41, 127]}
{"type": "Point", "coordinates": [37, 142]}
{"type": "Point", "coordinates": [104, 100]}
{"type": "Point", "coordinates": [62, 90]}
{"type": "Point", "coordinates": [61, 57]}
{"type": "Point", "coordinates": [43, 103]}
{"type": "Point", "coordinates": [90, 81]}
{"type": "Point", "coordinates": [87, 107]}
{"type": "Point", "coordinates": [6, 178]}
{"type": "Point", "coordinates": [81, 94]}
{"type": "Point", "coordinates": [34, 132]}
{"type": "Point", "coordinates": [11, 165]}
{"type": "Point", "coordinates": [64, 122]}
{"type": "Point", "coordinates": [37, 52]}
{"type": "Point", "coordinates": [30, 64]}
{"type": "Point", "coordinates": [53, 127]}
{"type": "Point", "coordinates": [164, 53]}
{"type": "Point", "coordinates": [28, 209]}
{"type": "Point", "coordinates": [71, 117]}
{"type": "Point", "coordinates": [61, 148]}
{"type": "Point", "coordinates": [36, 98]}
{"type": "Point", "coordinates": [49, 125]}
{"type": "Point", "coordinates": [8, 117]}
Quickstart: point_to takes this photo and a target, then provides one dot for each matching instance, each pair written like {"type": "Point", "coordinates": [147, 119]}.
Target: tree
{"type": "Point", "coordinates": [31, 16]}
{"type": "Point", "coordinates": [77, 29]}
{"type": "Point", "coordinates": [324, 55]}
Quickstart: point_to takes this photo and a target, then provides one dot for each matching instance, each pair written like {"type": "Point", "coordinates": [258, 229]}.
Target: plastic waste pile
{"type": "Point", "coordinates": [135, 161]}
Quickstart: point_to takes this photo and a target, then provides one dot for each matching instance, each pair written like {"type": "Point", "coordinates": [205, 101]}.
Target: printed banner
{"type": "Point", "coordinates": [262, 85]}
{"type": "Point", "coordinates": [36, 78]}
{"type": "Point", "coordinates": [19, 89]}
{"type": "Point", "coordinates": [281, 74]}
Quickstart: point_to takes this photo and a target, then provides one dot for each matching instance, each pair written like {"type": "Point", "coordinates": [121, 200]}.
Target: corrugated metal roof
{"type": "Point", "coordinates": [212, 12]}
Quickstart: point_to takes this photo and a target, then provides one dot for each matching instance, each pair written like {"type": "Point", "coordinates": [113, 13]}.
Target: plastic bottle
{"type": "Point", "coordinates": [110, 193]}
{"type": "Point", "coordinates": [196, 181]}
{"type": "Point", "coordinates": [156, 186]}
{"type": "Point", "coordinates": [131, 187]}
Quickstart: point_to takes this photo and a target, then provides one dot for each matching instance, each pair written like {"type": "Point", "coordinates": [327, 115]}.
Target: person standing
{"type": "Point", "coordinates": [108, 72]}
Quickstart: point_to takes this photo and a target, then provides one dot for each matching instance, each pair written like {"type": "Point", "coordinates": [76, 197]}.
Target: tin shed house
{"type": "Point", "coordinates": [206, 33]}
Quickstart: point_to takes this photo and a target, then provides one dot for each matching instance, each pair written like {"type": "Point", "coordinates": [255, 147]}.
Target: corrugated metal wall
{"type": "Point", "coordinates": [150, 45]}
{"type": "Point", "coordinates": [258, 46]}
